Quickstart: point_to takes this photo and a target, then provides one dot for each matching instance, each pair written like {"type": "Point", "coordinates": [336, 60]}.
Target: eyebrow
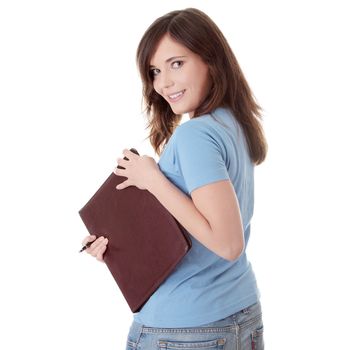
{"type": "Point", "coordinates": [168, 60]}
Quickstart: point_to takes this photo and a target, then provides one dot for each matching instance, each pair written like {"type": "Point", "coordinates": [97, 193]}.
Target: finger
{"type": "Point", "coordinates": [129, 154]}
{"type": "Point", "coordinates": [121, 161]}
{"type": "Point", "coordinates": [88, 239]}
{"type": "Point", "coordinates": [120, 172]}
{"type": "Point", "coordinates": [122, 185]}
{"type": "Point", "coordinates": [126, 152]}
{"type": "Point", "coordinates": [94, 244]}
{"type": "Point", "coordinates": [97, 247]}
{"type": "Point", "coordinates": [99, 255]}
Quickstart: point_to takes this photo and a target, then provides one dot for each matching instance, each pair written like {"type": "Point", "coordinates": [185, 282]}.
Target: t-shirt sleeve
{"type": "Point", "coordinates": [200, 157]}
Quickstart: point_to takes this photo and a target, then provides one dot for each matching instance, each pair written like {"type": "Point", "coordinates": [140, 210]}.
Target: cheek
{"type": "Point", "coordinates": [205, 83]}
{"type": "Point", "coordinates": [199, 78]}
{"type": "Point", "coordinates": [155, 88]}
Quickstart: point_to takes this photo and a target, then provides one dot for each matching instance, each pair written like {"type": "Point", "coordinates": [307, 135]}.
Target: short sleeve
{"type": "Point", "coordinates": [199, 156]}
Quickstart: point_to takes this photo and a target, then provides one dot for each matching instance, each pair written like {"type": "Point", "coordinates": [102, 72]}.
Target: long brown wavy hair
{"type": "Point", "coordinates": [197, 31]}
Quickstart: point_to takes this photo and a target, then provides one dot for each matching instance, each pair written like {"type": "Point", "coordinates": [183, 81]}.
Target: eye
{"type": "Point", "coordinates": [155, 71]}
{"type": "Point", "coordinates": [181, 62]}
{"type": "Point", "coordinates": [152, 72]}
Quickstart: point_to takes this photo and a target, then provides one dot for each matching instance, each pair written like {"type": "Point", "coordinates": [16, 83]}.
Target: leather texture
{"type": "Point", "coordinates": [145, 242]}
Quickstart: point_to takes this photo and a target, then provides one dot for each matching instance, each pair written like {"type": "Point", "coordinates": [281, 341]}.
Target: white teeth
{"type": "Point", "coordinates": [176, 95]}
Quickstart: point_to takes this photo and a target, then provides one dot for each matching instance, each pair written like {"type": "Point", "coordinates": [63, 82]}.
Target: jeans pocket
{"type": "Point", "coordinates": [257, 338]}
{"type": "Point", "coordinates": [130, 345]}
{"type": "Point", "coordinates": [215, 344]}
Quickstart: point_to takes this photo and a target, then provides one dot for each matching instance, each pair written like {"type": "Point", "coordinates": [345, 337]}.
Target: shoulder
{"type": "Point", "coordinates": [220, 117]}
{"type": "Point", "coordinates": [218, 127]}
{"type": "Point", "coordinates": [195, 133]}
{"type": "Point", "coordinates": [200, 127]}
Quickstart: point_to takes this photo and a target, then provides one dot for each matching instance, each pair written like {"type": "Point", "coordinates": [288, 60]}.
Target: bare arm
{"type": "Point", "coordinates": [214, 231]}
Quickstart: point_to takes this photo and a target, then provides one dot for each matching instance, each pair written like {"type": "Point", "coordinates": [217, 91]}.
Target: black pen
{"type": "Point", "coordinates": [87, 245]}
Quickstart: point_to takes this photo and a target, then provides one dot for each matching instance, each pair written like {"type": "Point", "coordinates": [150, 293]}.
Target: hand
{"type": "Point", "coordinates": [97, 248]}
{"type": "Point", "coordinates": [139, 170]}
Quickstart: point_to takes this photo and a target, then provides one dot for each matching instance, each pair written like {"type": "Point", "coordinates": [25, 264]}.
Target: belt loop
{"type": "Point", "coordinates": [246, 310]}
{"type": "Point", "coordinates": [237, 330]}
{"type": "Point", "coordinates": [138, 339]}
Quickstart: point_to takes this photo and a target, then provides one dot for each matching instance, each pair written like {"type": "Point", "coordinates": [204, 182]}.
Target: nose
{"type": "Point", "coordinates": [165, 82]}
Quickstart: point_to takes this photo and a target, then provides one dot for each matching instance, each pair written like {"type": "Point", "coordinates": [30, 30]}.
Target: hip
{"type": "Point", "coordinates": [241, 330]}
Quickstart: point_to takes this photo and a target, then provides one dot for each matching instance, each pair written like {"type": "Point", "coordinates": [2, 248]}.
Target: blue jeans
{"type": "Point", "coordinates": [240, 331]}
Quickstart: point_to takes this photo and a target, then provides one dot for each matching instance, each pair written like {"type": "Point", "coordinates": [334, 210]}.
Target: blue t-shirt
{"type": "Point", "coordinates": [205, 287]}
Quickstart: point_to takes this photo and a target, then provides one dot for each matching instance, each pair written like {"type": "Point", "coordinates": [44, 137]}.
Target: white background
{"type": "Point", "coordinates": [70, 102]}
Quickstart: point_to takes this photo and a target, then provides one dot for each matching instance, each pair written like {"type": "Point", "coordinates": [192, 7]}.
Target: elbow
{"type": "Point", "coordinates": [236, 252]}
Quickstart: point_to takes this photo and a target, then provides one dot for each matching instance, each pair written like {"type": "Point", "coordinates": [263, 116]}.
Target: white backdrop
{"type": "Point", "coordinates": [70, 102]}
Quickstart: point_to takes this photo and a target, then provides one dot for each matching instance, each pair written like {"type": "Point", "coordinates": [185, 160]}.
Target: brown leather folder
{"type": "Point", "coordinates": [145, 242]}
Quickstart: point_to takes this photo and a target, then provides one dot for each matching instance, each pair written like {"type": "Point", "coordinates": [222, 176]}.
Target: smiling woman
{"type": "Point", "coordinates": [205, 179]}
{"type": "Point", "coordinates": [182, 83]}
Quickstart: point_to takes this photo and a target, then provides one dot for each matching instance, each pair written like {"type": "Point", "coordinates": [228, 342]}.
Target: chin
{"type": "Point", "coordinates": [181, 110]}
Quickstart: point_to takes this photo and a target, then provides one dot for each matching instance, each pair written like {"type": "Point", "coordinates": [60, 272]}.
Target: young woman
{"type": "Point", "coordinates": [205, 178]}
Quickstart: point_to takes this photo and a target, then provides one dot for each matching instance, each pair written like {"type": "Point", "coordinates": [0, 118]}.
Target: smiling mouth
{"type": "Point", "coordinates": [176, 96]}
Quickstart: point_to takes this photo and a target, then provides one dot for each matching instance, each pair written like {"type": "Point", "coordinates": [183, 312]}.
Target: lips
{"type": "Point", "coordinates": [176, 96]}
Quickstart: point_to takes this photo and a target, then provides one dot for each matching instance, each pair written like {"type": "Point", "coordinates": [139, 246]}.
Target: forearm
{"type": "Point", "coordinates": [183, 209]}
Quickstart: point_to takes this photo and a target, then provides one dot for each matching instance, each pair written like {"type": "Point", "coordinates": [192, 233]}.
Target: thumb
{"type": "Point", "coordinates": [121, 186]}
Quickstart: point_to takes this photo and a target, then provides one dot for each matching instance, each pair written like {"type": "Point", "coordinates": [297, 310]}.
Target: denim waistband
{"type": "Point", "coordinates": [241, 317]}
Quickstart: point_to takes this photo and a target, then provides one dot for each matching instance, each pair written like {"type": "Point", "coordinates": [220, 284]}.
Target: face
{"type": "Point", "coordinates": [179, 75]}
